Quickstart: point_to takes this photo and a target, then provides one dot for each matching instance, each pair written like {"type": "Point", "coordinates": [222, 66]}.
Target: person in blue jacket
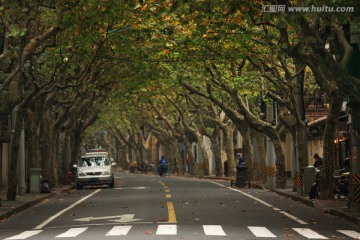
{"type": "Point", "coordinates": [241, 161]}
{"type": "Point", "coordinates": [162, 166]}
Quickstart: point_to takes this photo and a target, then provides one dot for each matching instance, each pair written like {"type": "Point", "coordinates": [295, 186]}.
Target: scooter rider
{"type": "Point", "coordinates": [162, 165]}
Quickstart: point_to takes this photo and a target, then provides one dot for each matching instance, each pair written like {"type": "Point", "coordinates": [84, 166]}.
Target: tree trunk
{"type": "Point", "coordinates": [204, 153]}
{"type": "Point", "coordinates": [46, 144]}
{"type": "Point", "coordinates": [76, 138]}
{"type": "Point", "coordinates": [229, 148]}
{"type": "Point", "coordinates": [178, 163]}
{"type": "Point", "coordinates": [138, 156]}
{"type": "Point", "coordinates": [62, 153]}
{"type": "Point", "coordinates": [300, 134]}
{"type": "Point", "coordinates": [216, 148]}
{"type": "Point", "coordinates": [247, 148]}
{"type": "Point", "coordinates": [260, 156]}
{"type": "Point", "coordinates": [336, 100]}
{"type": "Point", "coordinates": [191, 156]}
{"type": "Point", "coordinates": [55, 159]}
{"type": "Point", "coordinates": [32, 140]}
{"type": "Point", "coordinates": [280, 162]}
{"type": "Point", "coordinates": [13, 178]}
{"type": "Point", "coordinates": [300, 148]}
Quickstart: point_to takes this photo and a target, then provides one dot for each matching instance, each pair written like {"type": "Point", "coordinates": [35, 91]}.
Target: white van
{"type": "Point", "coordinates": [94, 169]}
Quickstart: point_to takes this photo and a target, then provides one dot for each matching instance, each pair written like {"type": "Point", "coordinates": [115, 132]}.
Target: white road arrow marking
{"type": "Point", "coordinates": [126, 218]}
{"type": "Point", "coordinates": [120, 218]}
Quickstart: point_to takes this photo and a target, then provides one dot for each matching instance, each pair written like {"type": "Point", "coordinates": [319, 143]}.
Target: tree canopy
{"type": "Point", "coordinates": [116, 67]}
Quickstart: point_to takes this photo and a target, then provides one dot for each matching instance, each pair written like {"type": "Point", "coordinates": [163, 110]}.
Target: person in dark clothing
{"type": "Point", "coordinates": [318, 161]}
{"type": "Point", "coordinates": [162, 166]}
{"type": "Point", "coordinates": [226, 168]}
{"type": "Point", "coordinates": [346, 163]}
{"type": "Point", "coordinates": [240, 160]}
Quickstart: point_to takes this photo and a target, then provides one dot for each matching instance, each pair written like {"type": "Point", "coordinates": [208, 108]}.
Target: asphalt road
{"type": "Point", "coordinates": [153, 207]}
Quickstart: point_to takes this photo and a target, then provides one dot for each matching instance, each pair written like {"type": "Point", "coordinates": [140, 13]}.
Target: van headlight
{"type": "Point", "coordinates": [82, 174]}
{"type": "Point", "coordinates": [106, 173]}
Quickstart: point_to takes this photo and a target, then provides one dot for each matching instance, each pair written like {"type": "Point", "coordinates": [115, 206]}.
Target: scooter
{"type": "Point", "coordinates": [315, 187]}
{"type": "Point", "coordinates": [340, 184]}
{"type": "Point", "coordinates": [162, 169]}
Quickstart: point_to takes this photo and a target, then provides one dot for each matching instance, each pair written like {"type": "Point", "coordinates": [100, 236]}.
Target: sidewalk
{"type": "Point", "coordinates": [337, 207]}
{"type": "Point", "coordinates": [24, 201]}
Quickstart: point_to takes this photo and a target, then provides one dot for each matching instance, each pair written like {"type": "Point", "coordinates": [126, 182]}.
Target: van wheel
{"type": "Point", "coordinates": [112, 184]}
{"type": "Point", "coordinates": [78, 186]}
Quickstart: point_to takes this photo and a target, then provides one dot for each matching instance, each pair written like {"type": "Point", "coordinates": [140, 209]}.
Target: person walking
{"type": "Point", "coordinates": [187, 164]}
{"type": "Point", "coordinates": [226, 168]}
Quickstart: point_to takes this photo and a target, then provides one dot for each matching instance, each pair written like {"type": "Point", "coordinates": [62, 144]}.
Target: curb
{"type": "Point", "coordinates": [344, 215]}
{"type": "Point", "coordinates": [24, 206]}
{"type": "Point", "coordinates": [307, 202]}
{"type": "Point", "coordinates": [334, 212]}
{"type": "Point", "coordinates": [28, 204]}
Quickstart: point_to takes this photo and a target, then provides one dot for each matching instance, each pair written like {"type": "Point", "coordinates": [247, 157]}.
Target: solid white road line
{"type": "Point", "coordinates": [261, 232]}
{"type": "Point", "coordinates": [214, 230]}
{"type": "Point", "coordinates": [350, 233]}
{"type": "Point", "coordinates": [166, 229]}
{"type": "Point", "coordinates": [25, 235]}
{"type": "Point", "coordinates": [65, 210]}
{"type": "Point", "coordinates": [119, 230]}
{"type": "Point", "coordinates": [264, 203]}
{"type": "Point", "coordinates": [72, 232]}
{"type": "Point", "coordinates": [308, 233]}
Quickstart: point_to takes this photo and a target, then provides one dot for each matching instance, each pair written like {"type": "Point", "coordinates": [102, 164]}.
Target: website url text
{"type": "Point", "coordinates": [306, 9]}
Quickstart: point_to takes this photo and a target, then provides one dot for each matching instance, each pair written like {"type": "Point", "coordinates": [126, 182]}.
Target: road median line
{"type": "Point", "coordinates": [171, 211]}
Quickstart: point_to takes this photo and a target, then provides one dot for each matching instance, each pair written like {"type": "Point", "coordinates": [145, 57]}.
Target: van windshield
{"type": "Point", "coordinates": [94, 161]}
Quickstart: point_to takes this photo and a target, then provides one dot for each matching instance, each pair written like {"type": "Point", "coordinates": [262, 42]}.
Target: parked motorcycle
{"type": "Point", "coordinates": [340, 182]}
{"type": "Point", "coordinates": [146, 166]}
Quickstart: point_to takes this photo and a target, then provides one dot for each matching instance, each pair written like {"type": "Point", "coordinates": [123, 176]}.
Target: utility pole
{"type": "Point", "coordinates": [21, 162]}
{"type": "Point", "coordinates": [270, 151]}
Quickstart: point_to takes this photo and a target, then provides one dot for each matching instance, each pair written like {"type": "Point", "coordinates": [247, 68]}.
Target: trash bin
{"type": "Point", "coordinates": [309, 178]}
{"type": "Point", "coordinates": [241, 171]}
{"type": "Point", "coordinates": [35, 180]}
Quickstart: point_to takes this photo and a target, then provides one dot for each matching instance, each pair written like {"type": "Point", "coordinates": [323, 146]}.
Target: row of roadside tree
{"type": "Point", "coordinates": [181, 69]}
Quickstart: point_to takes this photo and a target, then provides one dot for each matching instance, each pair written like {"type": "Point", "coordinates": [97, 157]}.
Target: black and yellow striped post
{"type": "Point", "coordinates": [298, 181]}
{"type": "Point", "coordinates": [271, 171]}
{"type": "Point", "coordinates": [355, 189]}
